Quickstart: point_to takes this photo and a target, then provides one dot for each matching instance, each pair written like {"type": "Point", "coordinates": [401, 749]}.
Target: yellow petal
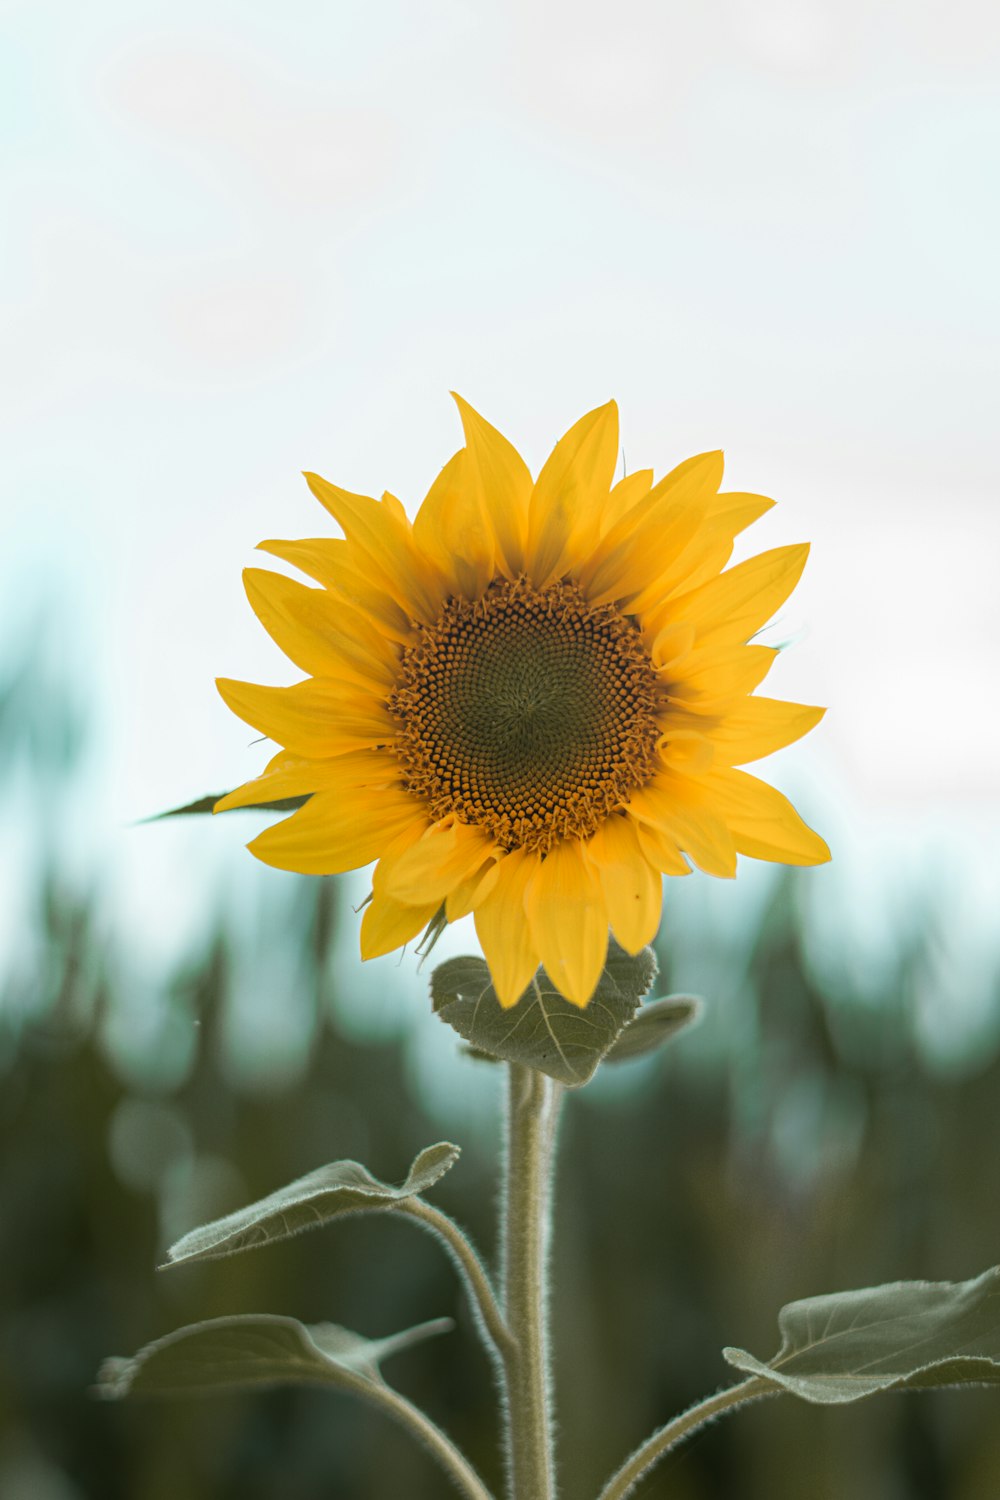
{"type": "Point", "coordinates": [671, 644]}
{"type": "Point", "coordinates": [448, 853]}
{"type": "Point", "coordinates": [502, 927]}
{"type": "Point", "coordinates": [473, 891]}
{"type": "Point", "coordinates": [288, 775]}
{"type": "Point", "coordinates": [703, 557]}
{"type": "Point", "coordinates": [738, 510]}
{"type": "Point", "coordinates": [644, 544]}
{"type": "Point", "coordinates": [709, 681]}
{"type": "Point", "coordinates": [764, 823]}
{"type": "Point", "coordinates": [452, 528]}
{"type": "Point", "coordinates": [665, 804]}
{"type": "Point", "coordinates": [505, 483]}
{"type": "Point", "coordinates": [333, 562]}
{"type": "Point", "coordinates": [735, 605]}
{"type": "Point", "coordinates": [281, 777]}
{"type": "Point", "coordinates": [568, 918]}
{"type": "Point", "coordinates": [382, 535]}
{"type": "Point", "coordinates": [625, 495]}
{"type": "Point", "coordinates": [682, 748]}
{"type": "Point", "coordinates": [590, 526]}
{"type": "Point", "coordinates": [660, 849]}
{"type": "Point", "coordinates": [315, 718]}
{"type": "Point", "coordinates": [388, 924]}
{"type": "Point", "coordinates": [573, 484]}
{"type": "Point", "coordinates": [394, 851]}
{"type": "Point", "coordinates": [633, 891]}
{"type": "Point", "coordinates": [758, 726]}
{"type": "Point", "coordinates": [318, 632]}
{"type": "Point", "coordinates": [329, 836]}
{"type": "Point", "coordinates": [319, 557]}
{"type": "Point", "coordinates": [685, 565]}
{"type": "Point", "coordinates": [397, 510]}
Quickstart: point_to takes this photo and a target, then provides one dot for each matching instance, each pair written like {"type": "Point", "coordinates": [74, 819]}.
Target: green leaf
{"type": "Point", "coordinates": [655, 1024]}
{"type": "Point", "coordinates": [543, 1030]}
{"type": "Point", "coordinates": [256, 1350]}
{"type": "Point", "coordinates": [207, 804]}
{"type": "Point", "coordinates": [905, 1336]}
{"type": "Point", "coordinates": [343, 1187]}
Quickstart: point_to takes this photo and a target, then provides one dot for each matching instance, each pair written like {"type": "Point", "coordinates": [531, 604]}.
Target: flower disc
{"type": "Point", "coordinates": [527, 713]}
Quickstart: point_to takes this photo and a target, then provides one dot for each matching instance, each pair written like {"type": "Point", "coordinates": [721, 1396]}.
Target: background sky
{"type": "Point", "coordinates": [239, 241]}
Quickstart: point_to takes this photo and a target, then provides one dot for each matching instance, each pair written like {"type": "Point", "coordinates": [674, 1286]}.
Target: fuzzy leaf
{"type": "Point", "coordinates": [543, 1030]}
{"type": "Point", "coordinates": [655, 1024]}
{"type": "Point", "coordinates": [256, 1350]}
{"type": "Point", "coordinates": [343, 1187]}
{"type": "Point", "coordinates": [904, 1336]}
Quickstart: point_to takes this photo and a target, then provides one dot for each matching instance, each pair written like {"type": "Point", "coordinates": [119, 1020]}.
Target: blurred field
{"type": "Point", "coordinates": [813, 1146]}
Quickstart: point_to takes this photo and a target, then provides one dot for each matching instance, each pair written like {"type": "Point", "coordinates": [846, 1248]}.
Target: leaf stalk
{"type": "Point", "coordinates": [667, 1437]}
{"type": "Point", "coordinates": [471, 1269]}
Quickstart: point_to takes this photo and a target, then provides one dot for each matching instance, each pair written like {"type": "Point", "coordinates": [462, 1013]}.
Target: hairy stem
{"type": "Point", "coordinates": [471, 1269]}
{"type": "Point", "coordinates": [454, 1463]}
{"type": "Point", "coordinates": [661, 1442]}
{"type": "Point", "coordinates": [527, 1226]}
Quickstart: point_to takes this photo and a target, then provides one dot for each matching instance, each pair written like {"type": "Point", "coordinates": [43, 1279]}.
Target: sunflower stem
{"type": "Point", "coordinates": [531, 1118]}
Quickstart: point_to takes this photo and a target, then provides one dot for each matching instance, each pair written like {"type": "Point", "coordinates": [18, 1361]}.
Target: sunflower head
{"type": "Point", "coordinates": [529, 703]}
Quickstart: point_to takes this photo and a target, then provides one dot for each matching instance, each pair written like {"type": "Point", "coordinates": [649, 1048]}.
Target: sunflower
{"type": "Point", "coordinates": [529, 703]}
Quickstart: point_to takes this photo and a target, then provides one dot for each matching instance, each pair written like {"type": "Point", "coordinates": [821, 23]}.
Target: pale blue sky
{"type": "Point", "coordinates": [243, 240]}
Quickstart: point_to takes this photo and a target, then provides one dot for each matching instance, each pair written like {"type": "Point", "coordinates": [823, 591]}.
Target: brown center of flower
{"type": "Point", "coordinates": [527, 712]}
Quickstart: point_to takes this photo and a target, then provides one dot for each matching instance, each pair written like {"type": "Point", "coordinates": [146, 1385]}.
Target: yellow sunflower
{"type": "Point", "coordinates": [529, 702]}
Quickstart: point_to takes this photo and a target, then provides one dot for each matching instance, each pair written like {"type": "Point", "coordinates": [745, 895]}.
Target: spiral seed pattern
{"type": "Point", "coordinates": [527, 712]}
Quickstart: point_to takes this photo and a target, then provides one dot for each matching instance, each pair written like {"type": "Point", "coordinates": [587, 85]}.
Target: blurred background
{"type": "Point", "coordinates": [241, 241]}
